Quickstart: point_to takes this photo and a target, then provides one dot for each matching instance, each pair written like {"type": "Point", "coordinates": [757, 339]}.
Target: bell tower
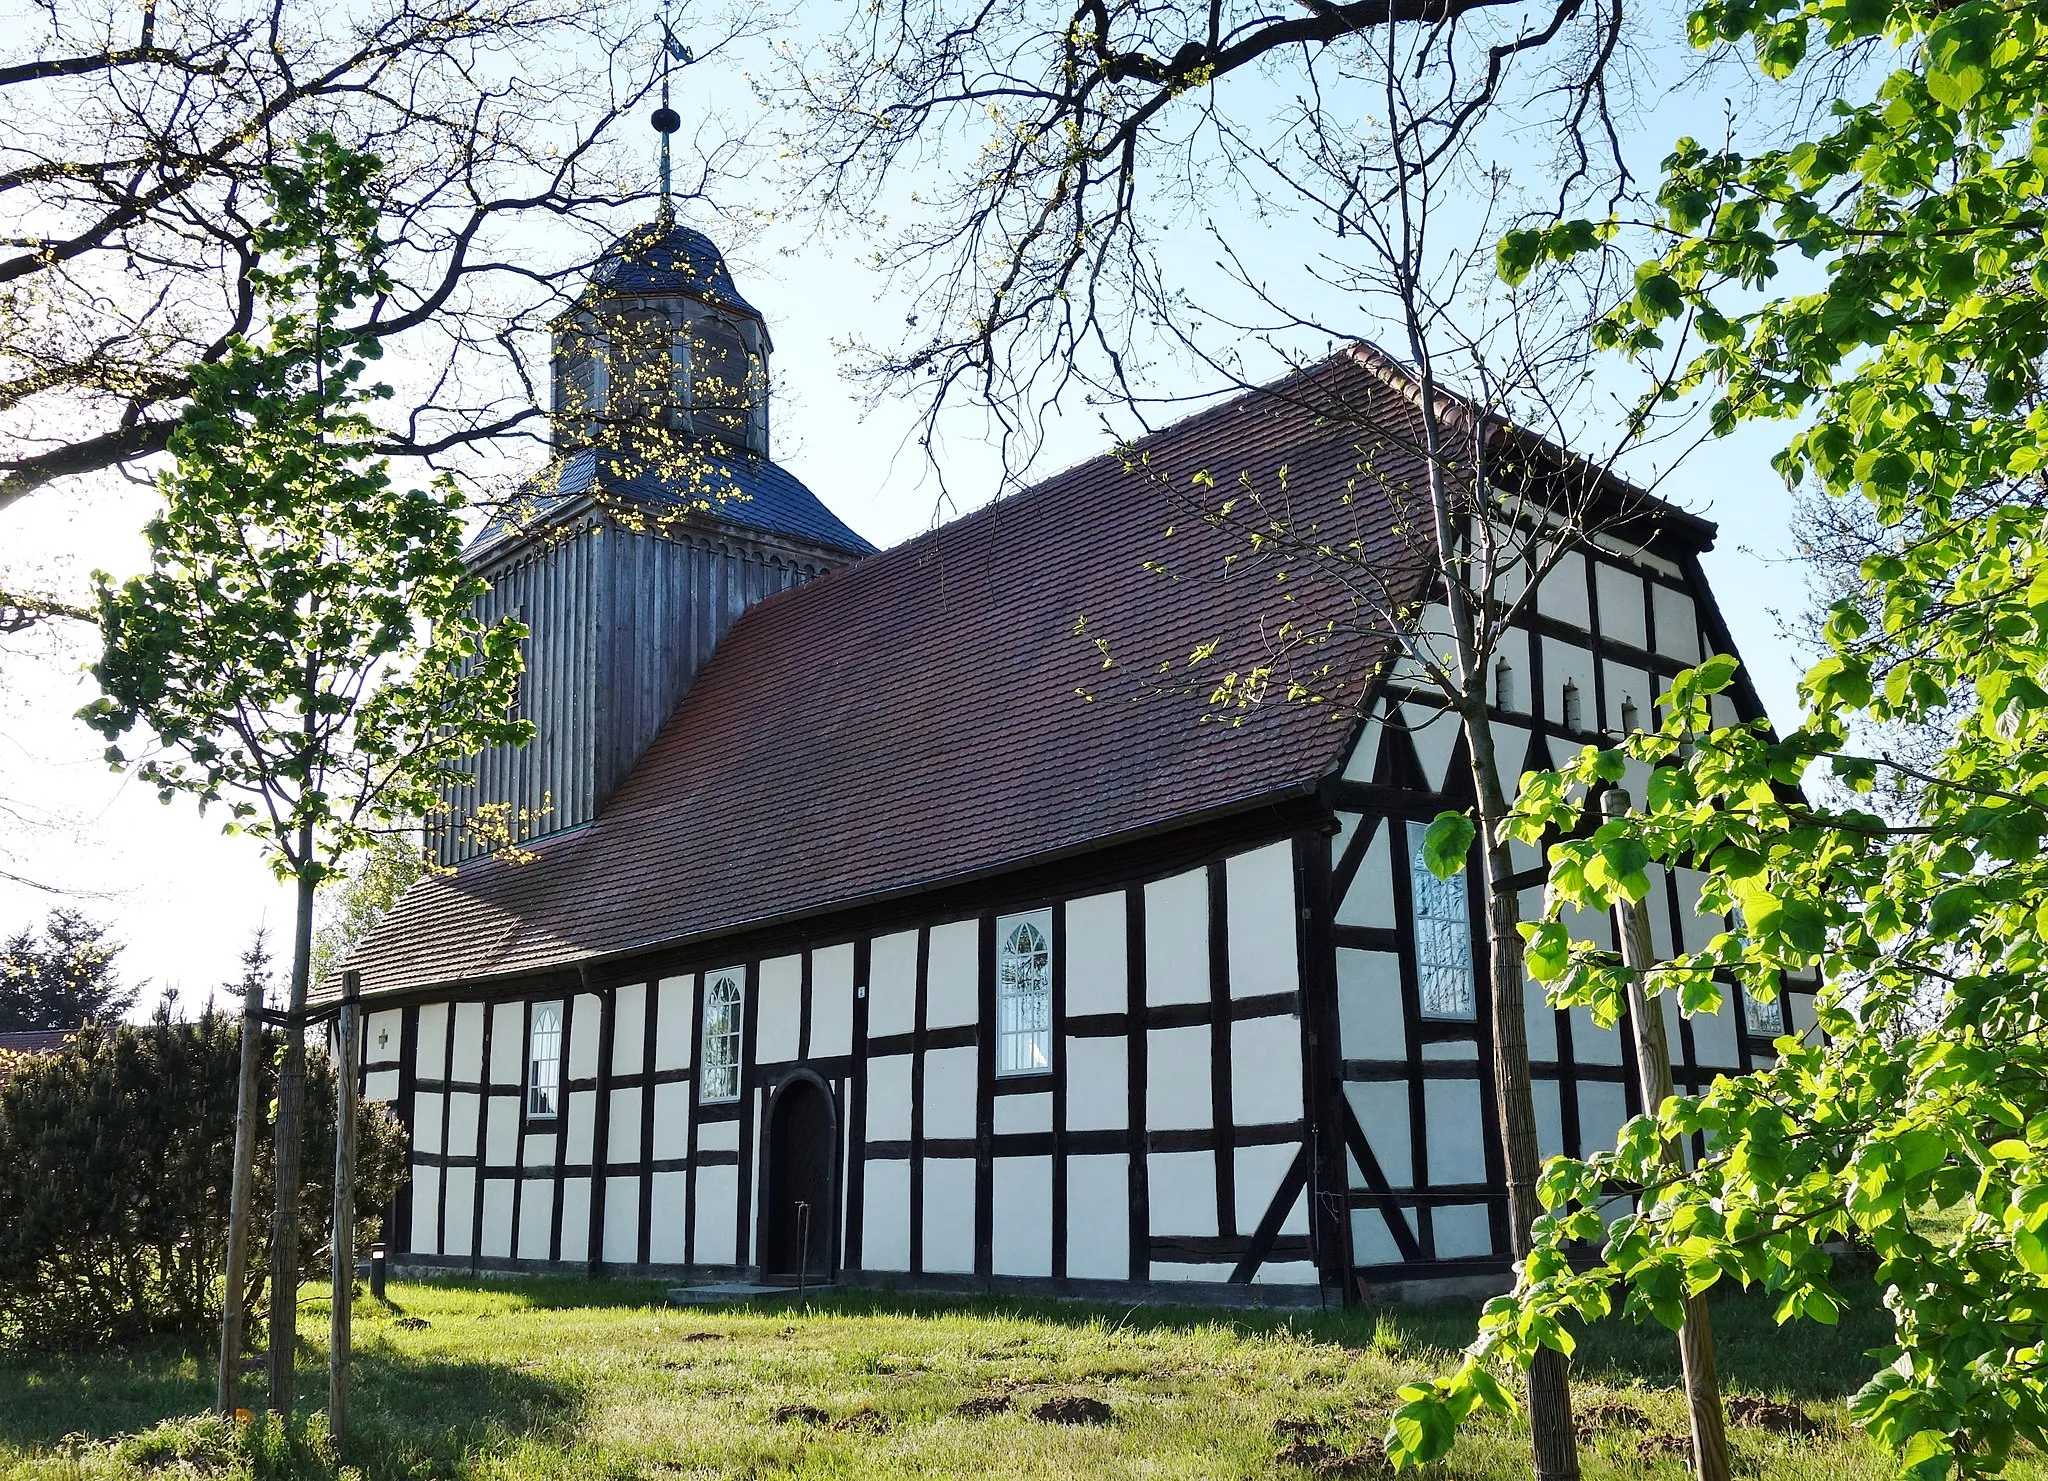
{"type": "Point", "coordinates": [660, 519]}
{"type": "Point", "coordinates": [661, 357]}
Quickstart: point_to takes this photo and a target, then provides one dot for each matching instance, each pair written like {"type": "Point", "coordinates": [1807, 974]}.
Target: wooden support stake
{"type": "Point", "coordinates": [233, 1310]}
{"type": "Point", "coordinates": [1653, 1073]}
{"type": "Point", "coordinates": [347, 1032]}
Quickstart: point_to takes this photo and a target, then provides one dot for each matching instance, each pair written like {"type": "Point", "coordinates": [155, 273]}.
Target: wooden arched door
{"type": "Point", "coordinates": [801, 1217]}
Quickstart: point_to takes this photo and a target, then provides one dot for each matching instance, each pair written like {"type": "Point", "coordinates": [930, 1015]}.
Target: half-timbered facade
{"type": "Point", "coordinates": [941, 931]}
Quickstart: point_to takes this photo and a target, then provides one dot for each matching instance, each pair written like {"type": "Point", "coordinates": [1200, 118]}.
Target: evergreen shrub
{"type": "Point", "coordinates": [116, 1158]}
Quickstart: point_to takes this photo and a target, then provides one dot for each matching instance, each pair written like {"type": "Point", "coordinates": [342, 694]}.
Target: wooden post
{"type": "Point", "coordinates": [1653, 1073]}
{"type": "Point", "coordinates": [233, 1310]}
{"type": "Point", "coordinates": [347, 1032]}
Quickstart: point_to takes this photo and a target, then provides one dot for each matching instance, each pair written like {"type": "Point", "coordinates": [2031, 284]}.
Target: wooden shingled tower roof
{"type": "Point", "coordinates": [942, 712]}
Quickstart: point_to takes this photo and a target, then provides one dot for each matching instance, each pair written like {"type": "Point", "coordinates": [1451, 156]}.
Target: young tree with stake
{"type": "Point", "coordinates": [302, 648]}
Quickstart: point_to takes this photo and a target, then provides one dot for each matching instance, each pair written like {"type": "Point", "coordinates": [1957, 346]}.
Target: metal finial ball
{"type": "Point", "coordinates": [667, 120]}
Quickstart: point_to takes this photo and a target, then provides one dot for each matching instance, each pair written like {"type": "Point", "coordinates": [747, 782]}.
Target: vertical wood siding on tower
{"type": "Point", "coordinates": [551, 779]}
{"type": "Point", "coordinates": [621, 621]}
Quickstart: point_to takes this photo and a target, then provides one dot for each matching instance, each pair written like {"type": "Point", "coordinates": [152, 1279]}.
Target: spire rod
{"type": "Point", "coordinates": [666, 121]}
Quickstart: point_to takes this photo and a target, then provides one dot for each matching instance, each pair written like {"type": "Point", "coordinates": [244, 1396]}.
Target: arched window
{"type": "Point", "coordinates": [719, 1079]}
{"type": "Point", "coordinates": [544, 1062]}
{"type": "Point", "coordinates": [1443, 935]}
{"type": "Point", "coordinates": [1024, 994]}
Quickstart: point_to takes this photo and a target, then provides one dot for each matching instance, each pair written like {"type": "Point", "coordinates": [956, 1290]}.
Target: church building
{"type": "Point", "coordinates": [938, 917]}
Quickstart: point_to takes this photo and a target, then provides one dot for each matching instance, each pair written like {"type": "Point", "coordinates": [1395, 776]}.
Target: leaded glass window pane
{"type": "Point", "coordinates": [544, 1062]}
{"type": "Point", "coordinates": [1765, 1020]}
{"type": "Point", "coordinates": [719, 1078]}
{"type": "Point", "coordinates": [1024, 994]}
{"type": "Point", "coordinates": [1443, 936]}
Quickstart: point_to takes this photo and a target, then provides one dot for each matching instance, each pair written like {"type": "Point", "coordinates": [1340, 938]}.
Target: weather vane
{"type": "Point", "coordinates": [666, 121]}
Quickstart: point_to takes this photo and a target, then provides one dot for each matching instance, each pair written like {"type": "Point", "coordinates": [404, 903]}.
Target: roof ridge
{"type": "Point", "coordinates": [1009, 502]}
{"type": "Point", "coordinates": [1400, 377]}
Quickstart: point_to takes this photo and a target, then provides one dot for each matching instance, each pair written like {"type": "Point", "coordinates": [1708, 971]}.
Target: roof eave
{"type": "Point", "coordinates": [1301, 789]}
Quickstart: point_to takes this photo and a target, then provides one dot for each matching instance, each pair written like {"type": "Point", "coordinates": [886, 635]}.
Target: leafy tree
{"type": "Point", "coordinates": [62, 980]}
{"type": "Point", "coordinates": [303, 647]}
{"type": "Point", "coordinates": [1916, 1122]}
{"type": "Point", "coordinates": [114, 1160]}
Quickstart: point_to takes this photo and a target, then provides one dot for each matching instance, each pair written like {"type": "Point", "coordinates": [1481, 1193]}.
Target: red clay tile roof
{"type": "Point", "coordinates": [17, 1049]}
{"type": "Point", "coordinates": [918, 716]}
{"type": "Point", "coordinates": [36, 1041]}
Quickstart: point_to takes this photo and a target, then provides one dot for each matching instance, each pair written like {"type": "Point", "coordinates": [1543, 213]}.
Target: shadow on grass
{"type": "Point", "coordinates": [414, 1416]}
{"type": "Point", "coordinates": [1802, 1360]}
{"type": "Point", "coordinates": [554, 1292]}
{"type": "Point", "coordinates": [45, 1396]}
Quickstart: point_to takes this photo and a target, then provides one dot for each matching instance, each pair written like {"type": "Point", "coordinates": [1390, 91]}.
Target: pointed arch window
{"type": "Point", "coordinates": [544, 1062]}
{"type": "Point", "coordinates": [1441, 911]}
{"type": "Point", "coordinates": [719, 1077]}
{"type": "Point", "coordinates": [1024, 994]}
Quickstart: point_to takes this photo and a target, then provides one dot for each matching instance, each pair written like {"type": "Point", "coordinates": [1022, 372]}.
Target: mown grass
{"type": "Point", "coordinates": [601, 1380]}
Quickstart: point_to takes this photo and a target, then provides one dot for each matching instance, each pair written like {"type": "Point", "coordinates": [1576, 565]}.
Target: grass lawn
{"type": "Point", "coordinates": [599, 1379]}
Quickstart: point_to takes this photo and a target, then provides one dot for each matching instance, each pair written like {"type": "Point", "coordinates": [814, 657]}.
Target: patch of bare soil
{"type": "Point", "coordinates": [865, 1420]}
{"type": "Point", "coordinates": [412, 1324]}
{"type": "Point", "coordinates": [1608, 1414]}
{"type": "Point", "coordinates": [1320, 1458]}
{"type": "Point", "coordinates": [702, 1337]}
{"type": "Point", "coordinates": [1074, 1409]}
{"type": "Point", "coordinates": [1656, 1447]}
{"type": "Point", "coordinates": [800, 1414]}
{"type": "Point", "coordinates": [1774, 1415]}
{"type": "Point", "coordinates": [1294, 1427]}
{"type": "Point", "coordinates": [984, 1406]}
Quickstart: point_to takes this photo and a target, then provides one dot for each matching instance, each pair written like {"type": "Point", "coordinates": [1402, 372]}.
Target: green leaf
{"type": "Point", "coordinates": [1448, 844]}
{"type": "Point", "coordinates": [1547, 951]}
{"type": "Point", "coordinates": [1421, 1432]}
{"type": "Point", "coordinates": [1927, 1456]}
{"type": "Point", "coordinates": [1716, 674]}
{"type": "Point", "coordinates": [1517, 253]}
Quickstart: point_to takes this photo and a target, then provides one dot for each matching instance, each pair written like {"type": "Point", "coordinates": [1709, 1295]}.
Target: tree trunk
{"type": "Point", "coordinates": [1552, 1440]}
{"type": "Point", "coordinates": [291, 1104]}
{"type": "Point", "coordinates": [234, 1298]}
{"type": "Point", "coordinates": [343, 1244]}
{"type": "Point", "coordinates": [1653, 1074]}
